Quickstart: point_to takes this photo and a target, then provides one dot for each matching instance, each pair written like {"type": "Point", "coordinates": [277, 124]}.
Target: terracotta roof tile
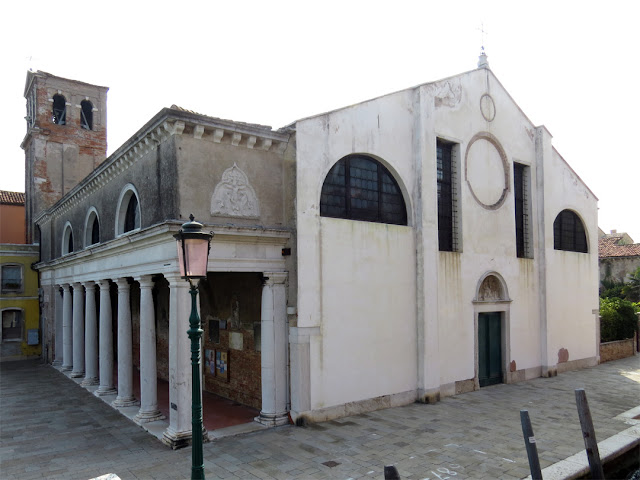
{"type": "Point", "coordinates": [254, 125]}
{"type": "Point", "coordinates": [608, 247]}
{"type": "Point", "coordinates": [11, 198]}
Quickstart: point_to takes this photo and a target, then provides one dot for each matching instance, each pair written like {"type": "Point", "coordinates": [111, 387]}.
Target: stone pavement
{"type": "Point", "coordinates": [52, 428]}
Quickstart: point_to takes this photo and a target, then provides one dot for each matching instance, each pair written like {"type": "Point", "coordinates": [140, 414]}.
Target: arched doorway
{"type": "Point", "coordinates": [491, 312]}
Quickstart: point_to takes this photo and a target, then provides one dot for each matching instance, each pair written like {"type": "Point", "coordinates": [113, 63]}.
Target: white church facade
{"type": "Point", "coordinates": [417, 245]}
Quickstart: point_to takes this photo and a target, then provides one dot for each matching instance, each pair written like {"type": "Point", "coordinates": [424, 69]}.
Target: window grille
{"type": "Point", "coordinates": [447, 197]}
{"type": "Point", "coordinates": [568, 233]}
{"type": "Point", "coordinates": [521, 194]}
{"type": "Point", "coordinates": [360, 188]}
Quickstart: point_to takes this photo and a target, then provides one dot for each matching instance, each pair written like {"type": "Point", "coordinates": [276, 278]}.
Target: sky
{"type": "Point", "coordinates": [571, 66]}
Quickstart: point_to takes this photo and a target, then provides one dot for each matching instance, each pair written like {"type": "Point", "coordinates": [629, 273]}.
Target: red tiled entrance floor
{"type": "Point", "coordinates": [217, 412]}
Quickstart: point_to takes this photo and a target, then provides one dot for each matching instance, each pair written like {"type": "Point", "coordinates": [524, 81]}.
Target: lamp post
{"type": "Point", "coordinates": [193, 255]}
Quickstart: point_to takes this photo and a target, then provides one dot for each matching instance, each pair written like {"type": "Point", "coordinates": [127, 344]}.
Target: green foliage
{"type": "Point", "coordinates": [612, 289]}
{"type": "Point", "coordinates": [618, 319]}
{"type": "Point", "coordinates": [631, 289]}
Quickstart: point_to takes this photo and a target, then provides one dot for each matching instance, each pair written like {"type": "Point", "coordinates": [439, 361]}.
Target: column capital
{"type": "Point", "coordinates": [76, 285]}
{"type": "Point", "coordinates": [104, 284]}
{"type": "Point", "coordinates": [89, 284]}
{"type": "Point", "coordinates": [175, 280]}
{"type": "Point", "coordinates": [122, 283]}
{"type": "Point", "coordinates": [273, 278]}
{"type": "Point", "coordinates": [145, 281]}
{"type": "Point", "coordinates": [66, 287]}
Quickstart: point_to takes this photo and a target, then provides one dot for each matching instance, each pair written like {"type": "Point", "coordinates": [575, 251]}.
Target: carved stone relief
{"type": "Point", "coordinates": [234, 196]}
{"type": "Point", "coordinates": [490, 290]}
{"type": "Point", "coordinates": [449, 94]}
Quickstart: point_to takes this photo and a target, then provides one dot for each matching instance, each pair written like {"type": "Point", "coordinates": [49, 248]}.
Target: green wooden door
{"type": "Point", "coordinates": [489, 349]}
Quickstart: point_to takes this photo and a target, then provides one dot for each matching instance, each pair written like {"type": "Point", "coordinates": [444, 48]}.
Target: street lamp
{"type": "Point", "coordinates": [193, 255]}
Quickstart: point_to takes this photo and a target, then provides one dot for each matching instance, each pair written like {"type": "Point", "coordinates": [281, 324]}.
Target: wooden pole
{"type": "Point", "coordinates": [530, 444]}
{"type": "Point", "coordinates": [589, 435]}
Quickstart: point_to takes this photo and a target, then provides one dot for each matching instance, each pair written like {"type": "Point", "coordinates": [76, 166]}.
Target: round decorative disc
{"type": "Point", "coordinates": [487, 170]}
{"type": "Point", "coordinates": [487, 107]}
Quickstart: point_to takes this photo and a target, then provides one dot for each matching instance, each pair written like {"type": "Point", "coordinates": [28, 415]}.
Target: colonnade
{"type": "Point", "coordinates": [86, 347]}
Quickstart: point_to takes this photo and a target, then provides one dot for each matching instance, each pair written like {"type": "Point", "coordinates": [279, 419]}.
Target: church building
{"type": "Point", "coordinates": [421, 244]}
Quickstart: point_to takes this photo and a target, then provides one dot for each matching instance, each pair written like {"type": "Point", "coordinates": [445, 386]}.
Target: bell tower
{"type": "Point", "coordinates": [66, 139]}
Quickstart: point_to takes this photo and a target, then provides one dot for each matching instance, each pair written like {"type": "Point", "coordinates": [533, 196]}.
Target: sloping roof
{"type": "Point", "coordinates": [608, 247]}
{"type": "Point", "coordinates": [11, 198]}
{"type": "Point", "coordinates": [254, 125]}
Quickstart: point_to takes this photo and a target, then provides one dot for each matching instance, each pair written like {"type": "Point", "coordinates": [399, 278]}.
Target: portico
{"type": "Point", "coordinates": [125, 316]}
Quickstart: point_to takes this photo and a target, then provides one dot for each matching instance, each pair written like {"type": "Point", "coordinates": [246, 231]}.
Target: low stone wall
{"type": "Point", "coordinates": [615, 350]}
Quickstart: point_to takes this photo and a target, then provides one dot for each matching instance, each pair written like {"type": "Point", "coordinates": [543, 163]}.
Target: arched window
{"type": "Point", "coordinates": [359, 187]}
{"type": "Point", "coordinates": [59, 114]}
{"type": "Point", "coordinates": [128, 214]}
{"type": "Point", "coordinates": [132, 217]}
{"type": "Point", "coordinates": [568, 232]}
{"type": "Point", "coordinates": [67, 239]}
{"type": "Point", "coordinates": [92, 228]}
{"type": "Point", "coordinates": [86, 115]}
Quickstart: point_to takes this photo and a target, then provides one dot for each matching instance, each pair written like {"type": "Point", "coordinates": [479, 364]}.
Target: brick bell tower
{"type": "Point", "coordinates": [66, 139]}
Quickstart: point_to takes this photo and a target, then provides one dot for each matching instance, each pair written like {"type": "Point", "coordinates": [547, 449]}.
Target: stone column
{"type": "Point", "coordinates": [300, 345]}
{"type": "Point", "coordinates": [58, 343]}
{"type": "Point", "coordinates": [67, 328]}
{"type": "Point", "coordinates": [106, 341]}
{"type": "Point", "coordinates": [78, 331]}
{"type": "Point", "coordinates": [148, 372]}
{"type": "Point", "coordinates": [90, 335]}
{"type": "Point", "coordinates": [125, 396]}
{"type": "Point", "coordinates": [274, 350]}
{"type": "Point", "coordinates": [179, 432]}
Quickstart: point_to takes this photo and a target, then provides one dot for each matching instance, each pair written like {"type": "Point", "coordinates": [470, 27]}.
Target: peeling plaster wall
{"type": "Point", "coordinates": [150, 176]}
{"type": "Point", "coordinates": [572, 277]}
{"type": "Point", "coordinates": [474, 112]}
{"type": "Point", "coordinates": [356, 280]}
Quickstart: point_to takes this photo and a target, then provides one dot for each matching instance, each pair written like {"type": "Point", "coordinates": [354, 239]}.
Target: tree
{"type": "Point", "coordinates": [631, 289]}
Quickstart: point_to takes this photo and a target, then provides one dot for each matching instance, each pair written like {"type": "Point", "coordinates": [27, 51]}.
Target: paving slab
{"type": "Point", "coordinates": [51, 427]}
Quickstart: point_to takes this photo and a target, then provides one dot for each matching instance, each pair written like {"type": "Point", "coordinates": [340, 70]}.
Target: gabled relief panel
{"type": "Point", "coordinates": [234, 196]}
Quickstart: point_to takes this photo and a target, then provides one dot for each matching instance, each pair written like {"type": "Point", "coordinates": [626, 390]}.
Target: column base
{"type": "Point", "coordinates": [77, 374]}
{"type": "Point", "coordinates": [273, 419]}
{"type": "Point", "coordinates": [147, 417]}
{"type": "Point", "coordinates": [104, 391]}
{"type": "Point", "coordinates": [57, 363]}
{"type": "Point", "coordinates": [176, 440]}
{"type": "Point", "coordinates": [88, 381]}
{"type": "Point", "coordinates": [120, 402]}
{"type": "Point", "coordinates": [66, 368]}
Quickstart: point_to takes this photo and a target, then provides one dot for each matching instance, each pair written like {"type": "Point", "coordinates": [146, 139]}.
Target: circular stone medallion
{"type": "Point", "coordinates": [487, 170]}
{"type": "Point", "coordinates": [487, 107]}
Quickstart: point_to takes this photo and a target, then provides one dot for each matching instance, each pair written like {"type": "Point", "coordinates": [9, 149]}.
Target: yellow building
{"type": "Point", "coordinates": [20, 336]}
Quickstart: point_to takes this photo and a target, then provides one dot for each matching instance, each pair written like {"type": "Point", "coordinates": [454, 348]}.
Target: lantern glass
{"type": "Point", "coordinates": [193, 255]}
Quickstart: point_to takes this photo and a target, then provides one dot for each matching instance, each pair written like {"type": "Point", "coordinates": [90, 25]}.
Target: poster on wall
{"type": "Point", "coordinates": [209, 362]}
{"type": "Point", "coordinates": [222, 364]}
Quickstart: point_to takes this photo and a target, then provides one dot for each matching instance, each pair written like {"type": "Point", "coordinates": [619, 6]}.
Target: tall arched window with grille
{"type": "Point", "coordinates": [359, 187]}
{"type": "Point", "coordinates": [569, 233]}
